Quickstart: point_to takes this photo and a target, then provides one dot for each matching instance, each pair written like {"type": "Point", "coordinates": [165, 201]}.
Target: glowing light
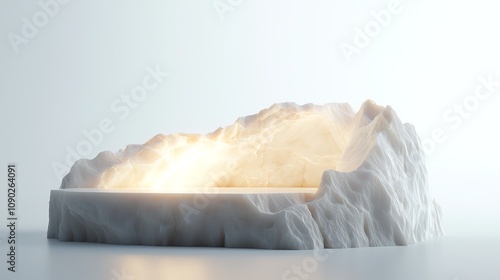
{"type": "Point", "coordinates": [286, 145]}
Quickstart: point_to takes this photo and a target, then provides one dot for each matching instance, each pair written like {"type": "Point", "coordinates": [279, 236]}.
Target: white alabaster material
{"type": "Point", "coordinates": [290, 177]}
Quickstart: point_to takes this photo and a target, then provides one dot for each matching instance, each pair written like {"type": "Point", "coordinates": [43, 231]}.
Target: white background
{"type": "Point", "coordinates": [428, 58]}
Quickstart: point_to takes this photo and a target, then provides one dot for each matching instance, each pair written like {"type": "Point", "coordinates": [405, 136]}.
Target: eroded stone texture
{"type": "Point", "coordinates": [368, 168]}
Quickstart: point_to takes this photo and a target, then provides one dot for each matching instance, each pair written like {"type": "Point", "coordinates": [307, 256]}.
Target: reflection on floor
{"type": "Point", "coordinates": [445, 258]}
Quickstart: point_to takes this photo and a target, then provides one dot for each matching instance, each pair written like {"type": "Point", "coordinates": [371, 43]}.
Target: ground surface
{"type": "Point", "coordinates": [445, 258]}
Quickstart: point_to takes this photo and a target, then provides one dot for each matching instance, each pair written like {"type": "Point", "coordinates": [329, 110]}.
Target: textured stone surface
{"type": "Point", "coordinates": [368, 167]}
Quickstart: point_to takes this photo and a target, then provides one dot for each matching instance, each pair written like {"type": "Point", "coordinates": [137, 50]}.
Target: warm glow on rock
{"type": "Point", "coordinates": [290, 177]}
{"type": "Point", "coordinates": [285, 145]}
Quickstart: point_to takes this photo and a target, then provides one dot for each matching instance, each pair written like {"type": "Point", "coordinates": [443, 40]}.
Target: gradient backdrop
{"type": "Point", "coordinates": [66, 67]}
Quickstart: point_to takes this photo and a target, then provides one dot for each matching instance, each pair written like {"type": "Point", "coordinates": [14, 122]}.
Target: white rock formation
{"type": "Point", "coordinates": [368, 168]}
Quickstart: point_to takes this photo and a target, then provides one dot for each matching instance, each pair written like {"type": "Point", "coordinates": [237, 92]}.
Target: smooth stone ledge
{"type": "Point", "coordinates": [218, 217]}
